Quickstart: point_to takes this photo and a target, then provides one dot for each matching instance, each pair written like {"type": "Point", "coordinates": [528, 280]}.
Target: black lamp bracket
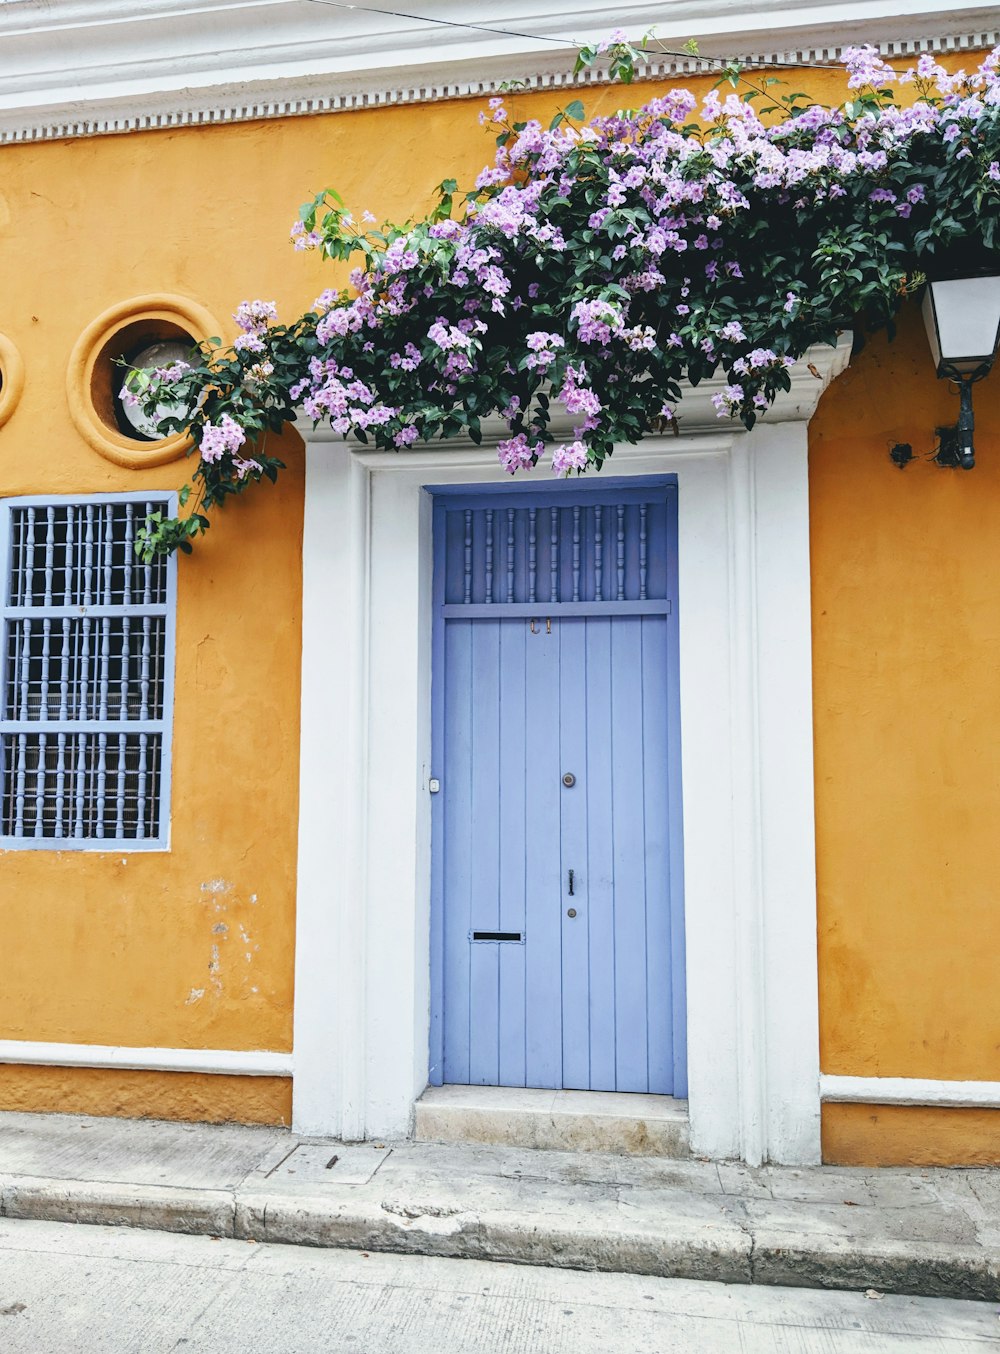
{"type": "Point", "coordinates": [964, 445]}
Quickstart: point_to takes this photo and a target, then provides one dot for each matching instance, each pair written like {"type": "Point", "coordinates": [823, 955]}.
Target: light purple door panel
{"type": "Point", "coordinates": [558, 919]}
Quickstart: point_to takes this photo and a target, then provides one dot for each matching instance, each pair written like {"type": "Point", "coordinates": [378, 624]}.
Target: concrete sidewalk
{"type": "Point", "coordinates": [931, 1232]}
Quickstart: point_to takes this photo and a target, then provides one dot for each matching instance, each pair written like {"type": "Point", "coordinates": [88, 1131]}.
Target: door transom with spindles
{"type": "Point", "coordinates": [558, 918]}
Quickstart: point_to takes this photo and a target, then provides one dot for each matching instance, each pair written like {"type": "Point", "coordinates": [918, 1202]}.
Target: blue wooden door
{"type": "Point", "coordinates": [557, 917]}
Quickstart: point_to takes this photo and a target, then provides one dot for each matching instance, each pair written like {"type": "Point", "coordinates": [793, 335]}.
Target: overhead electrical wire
{"type": "Point", "coordinates": [755, 61]}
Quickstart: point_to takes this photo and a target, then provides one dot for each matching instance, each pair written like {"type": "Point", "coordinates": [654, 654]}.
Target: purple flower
{"type": "Point", "coordinates": [572, 456]}
{"type": "Point", "coordinates": [596, 321]}
{"type": "Point", "coordinates": [219, 438]}
{"type": "Point", "coordinates": [515, 453]}
{"type": "Point", "coordinates": [542, 348]}
{"type": "Point", "coordinates": [253, 316]}
{"type": "Point", "coordinates": [866, 67]}
{"type": "Point", "coordinates": [170, 373]}
{"type": "Point", "coordinates": [728, 400]}
{"type": "Point", "coordinates": [449, 338]}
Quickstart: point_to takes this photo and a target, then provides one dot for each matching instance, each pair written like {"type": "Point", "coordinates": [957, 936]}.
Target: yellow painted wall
{"type": "Point", "coordinates": [906, 625]}
{"type": "Point", "coordinates": [148, 949]}
{"type": "Point", "coordinates": [192, 1096]}
{"type": "Point", "coordinates": [910, 1135]}
{"type": "Point", "coordinates": [193, 947]}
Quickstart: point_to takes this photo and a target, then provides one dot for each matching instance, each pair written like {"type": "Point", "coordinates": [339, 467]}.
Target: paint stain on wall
{"type": "Point", "coordinates": [225, 904]}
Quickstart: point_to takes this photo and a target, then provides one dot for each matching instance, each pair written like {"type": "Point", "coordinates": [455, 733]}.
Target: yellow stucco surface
{"type": "Point", "coordinates": [910, 1135]}
{"type": "Point", "coordinates": [195, 1097]}
{"type": "Point", "coordinates": [906, 624]}
{"type": "Point", "coordinates": [194, 947]}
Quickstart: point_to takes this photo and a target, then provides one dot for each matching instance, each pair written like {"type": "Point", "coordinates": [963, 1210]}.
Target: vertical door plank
{"type": "Point", "coordinates": [457, 833]}
{"type": "Point", "coordinates": [656, 816]}
{"type": "Point", "coordinates": [600, 857]}
{"type": "Point", "coordinates": [573, 842]}
{"type": "Point", "coordinates": [514, 810]}
{"type": "Point", "coordinates": [675, 858]}
{"type": "Point", "coordinates": [629, 874]}
{"type": "Point", "coordinates": [484, 1004]}
{"type": "Point", "coordinates": [543, 894]}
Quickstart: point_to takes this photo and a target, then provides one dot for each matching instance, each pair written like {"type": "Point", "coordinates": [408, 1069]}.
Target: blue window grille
{"type": "Point", "coordinates": [86, 674]}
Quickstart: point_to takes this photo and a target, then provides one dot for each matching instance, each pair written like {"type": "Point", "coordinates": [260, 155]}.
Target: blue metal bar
{"type": "Point", "coordinates": [509, 610]}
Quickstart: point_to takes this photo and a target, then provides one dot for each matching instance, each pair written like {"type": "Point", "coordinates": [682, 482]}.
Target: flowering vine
{"type": "Point", "coordinates": [595, 265]}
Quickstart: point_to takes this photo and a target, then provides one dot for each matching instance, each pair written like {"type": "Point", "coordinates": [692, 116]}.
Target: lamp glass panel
{"type": "Point", "coordinates": [963, 322]}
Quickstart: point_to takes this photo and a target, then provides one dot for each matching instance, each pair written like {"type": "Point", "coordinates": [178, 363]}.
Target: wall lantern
{"type": "Point", "coordinates": [962, 316]}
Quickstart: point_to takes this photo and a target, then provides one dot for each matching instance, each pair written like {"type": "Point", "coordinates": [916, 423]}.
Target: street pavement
{"type": "Point", "coordinates": [73, 1289]}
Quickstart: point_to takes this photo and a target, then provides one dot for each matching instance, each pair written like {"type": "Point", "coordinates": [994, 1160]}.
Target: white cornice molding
{"type": "Point", "coordinates": [84, 67]}
{"type": "Point", "coordinates": [696, 414]}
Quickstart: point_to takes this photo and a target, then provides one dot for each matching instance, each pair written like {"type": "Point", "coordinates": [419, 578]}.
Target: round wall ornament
{"type": "Point", "coordinates": [98, 365]}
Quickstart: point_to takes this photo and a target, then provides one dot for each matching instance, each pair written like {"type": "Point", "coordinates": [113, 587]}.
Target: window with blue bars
{"type": "Point", "coordinates": [86, 674]}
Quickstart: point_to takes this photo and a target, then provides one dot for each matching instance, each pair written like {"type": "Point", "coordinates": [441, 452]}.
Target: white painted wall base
{"type": "Point", "coordinates": [910, 1091]}
{"type": "Point", "coordinates": [219, 1061]}
{"type": "Point", "coordinates": [362, 944]}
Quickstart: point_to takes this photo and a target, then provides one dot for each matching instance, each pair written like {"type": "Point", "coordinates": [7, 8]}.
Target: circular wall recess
{"type": "Point", "coordinates": [94, 378]}
{"type": "Point", "coordinates": [11, 378]}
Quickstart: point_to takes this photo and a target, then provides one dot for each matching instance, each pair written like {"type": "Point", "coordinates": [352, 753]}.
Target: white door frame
{"type": "Point", "coordinates": [362, 972]}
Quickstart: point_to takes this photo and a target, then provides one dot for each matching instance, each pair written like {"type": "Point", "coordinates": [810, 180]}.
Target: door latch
{"type": "Point", "coordinates": [571, 883]}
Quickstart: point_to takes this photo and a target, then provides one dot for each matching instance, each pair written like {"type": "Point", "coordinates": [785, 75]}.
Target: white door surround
{"type": "Point", "coordinates": [362, 979]}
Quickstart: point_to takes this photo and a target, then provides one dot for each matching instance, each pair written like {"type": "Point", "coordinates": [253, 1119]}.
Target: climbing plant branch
{"type": "Point", "coordinates": [595, 265]}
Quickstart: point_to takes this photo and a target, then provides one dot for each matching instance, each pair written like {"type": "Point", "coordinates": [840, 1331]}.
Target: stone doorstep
{"type": "Point", "coordinates": [568, 1121]}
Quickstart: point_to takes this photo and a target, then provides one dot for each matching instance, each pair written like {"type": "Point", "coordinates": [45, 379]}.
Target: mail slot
{"type": "Point", "coordinates": [513, 937]}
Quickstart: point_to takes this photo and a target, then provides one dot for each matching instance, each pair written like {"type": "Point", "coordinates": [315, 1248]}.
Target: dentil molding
{"type": "Point", "coordinates": [83, 67]}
